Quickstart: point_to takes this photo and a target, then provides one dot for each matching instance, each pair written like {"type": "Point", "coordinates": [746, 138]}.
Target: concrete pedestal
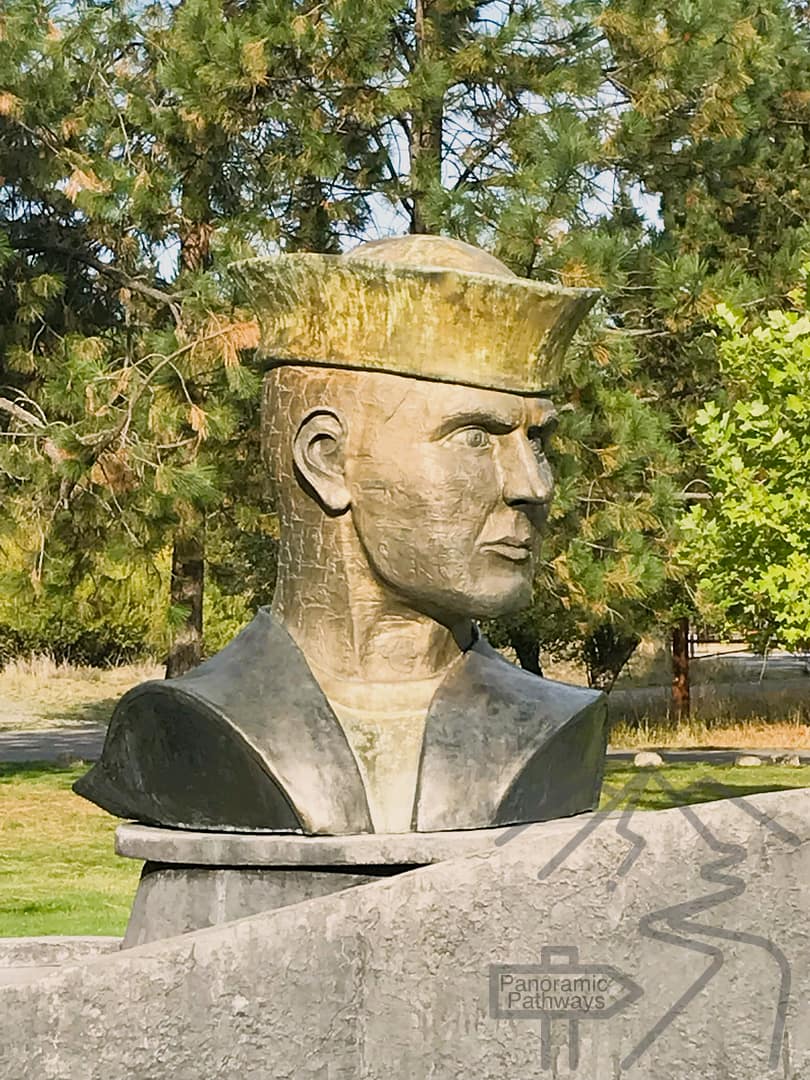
{"type": "Point", "coordinates": [24, 960]}
{"type": "Point", "coordinates": [191, 880]}
{"type": "Point", "coordinates": [671, 944]}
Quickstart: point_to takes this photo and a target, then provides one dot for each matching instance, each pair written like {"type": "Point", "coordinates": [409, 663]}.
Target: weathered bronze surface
{"type": "Point", "coordinates": [422, 306]}
{"type": "Point", "coordinates": [365, 699]}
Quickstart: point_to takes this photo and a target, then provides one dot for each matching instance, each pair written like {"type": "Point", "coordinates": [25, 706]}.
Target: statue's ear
{"type": "Point", "coordinates": [319, 456]}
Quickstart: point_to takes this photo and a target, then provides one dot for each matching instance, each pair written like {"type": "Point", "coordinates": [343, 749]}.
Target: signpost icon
{"type": "Point", "coordinates": [559, 988]}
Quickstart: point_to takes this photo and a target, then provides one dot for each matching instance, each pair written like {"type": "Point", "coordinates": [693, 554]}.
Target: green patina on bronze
{"type": "Point", "coordinates": [426, 307]}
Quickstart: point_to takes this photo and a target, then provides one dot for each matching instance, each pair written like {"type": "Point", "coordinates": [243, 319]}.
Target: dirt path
{"type": "Point", "coordinates": [724, 756]}
{"type": "Point", "coordinates": [38, 694]}
{"type": "Point", "coordinates": [54, 744]}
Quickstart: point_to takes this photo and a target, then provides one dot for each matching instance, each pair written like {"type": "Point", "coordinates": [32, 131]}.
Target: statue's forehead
{"type": "Point", "coordinates": [440, 400]}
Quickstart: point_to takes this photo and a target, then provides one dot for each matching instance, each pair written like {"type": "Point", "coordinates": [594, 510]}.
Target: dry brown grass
{"type": "Point", "coordinates": [41, 693]}
{"type": "Point", "coordinates": [790, 734]}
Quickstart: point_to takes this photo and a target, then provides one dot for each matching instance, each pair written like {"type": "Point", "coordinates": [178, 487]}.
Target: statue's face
{"type": "Point", "coordinates": [449, 489]}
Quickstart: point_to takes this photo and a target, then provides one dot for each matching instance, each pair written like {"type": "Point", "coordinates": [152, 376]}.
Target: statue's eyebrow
{"type": "Point", "coordinates": [495, 422]}
{"type": "Point", "coordinates": [546, 427]}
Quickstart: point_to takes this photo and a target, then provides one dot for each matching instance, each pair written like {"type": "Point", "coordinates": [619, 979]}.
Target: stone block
{"type": "Point", "coordinates": [27, 959]}
{"type": "Point", "coordinates": [175, 900]}
{"type": "Point", "coordinates": [671, 945]}
{"type": "Point", "coordinates": [193, 880]}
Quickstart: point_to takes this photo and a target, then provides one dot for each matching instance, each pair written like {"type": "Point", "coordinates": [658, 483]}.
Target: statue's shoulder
{"type": "Point", "coordinates": [245, 741]}
{"type": "Point", "coordinates": [560, 739]}
{"type": "Point", "coordinates": [228, 684]}
{"type": "Point", "coordinates": [176, 754]}
{"type": "Point", "coordinates": [238, 671]}
{"type": "Point", "coordinates": [556, 701]}
{"type": "Point", "coordinates": [504, 746]}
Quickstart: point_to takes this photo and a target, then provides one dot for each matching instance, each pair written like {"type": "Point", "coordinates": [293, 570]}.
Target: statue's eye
{"type": "Point", "coordinates": [472, 437]}
{"type": "Point", "coordinates": [475, 437]}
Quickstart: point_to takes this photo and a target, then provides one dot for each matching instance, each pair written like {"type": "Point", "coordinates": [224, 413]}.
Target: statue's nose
{"type": "Point", "coordinates": [526, 476]}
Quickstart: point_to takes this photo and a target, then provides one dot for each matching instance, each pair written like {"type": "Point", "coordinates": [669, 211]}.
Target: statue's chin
{"type": "Point", "coordinates": [482, 604]}
{"type": "Point", "coordinates": [486, 595]}
{"type": "Point", "coordinates": [506, 603]}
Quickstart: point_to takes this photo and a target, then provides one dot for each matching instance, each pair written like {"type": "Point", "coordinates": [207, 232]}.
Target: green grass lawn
{"type": "Point", "coordinates": [58, 872]}
{"type": "Point", "coordinates": [684, 783]}
{"type": "Point", "coordinates": [59, 875]}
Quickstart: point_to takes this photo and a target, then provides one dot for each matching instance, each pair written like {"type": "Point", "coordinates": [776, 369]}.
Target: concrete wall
{"type": "Point", "coordinates": [703, 910]}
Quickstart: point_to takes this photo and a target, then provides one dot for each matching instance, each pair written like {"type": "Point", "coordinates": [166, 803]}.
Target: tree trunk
{"type": "Point", "coordinates": [315, 229]}
{"type": "Point", "coordinates": [188, 577]}
{"type": "Point", "coordinates": [606, 651]}
{"type": "Point", "coordinates": [195, 253]}
{"type": "Point", "coordinates": [680, 671]}
{"type": "Point", "coordinates": [527, 649]}
{"type": "Point", "coordinates": [188, 550]}
{"type": "Point", "coordinates": [426, 130]}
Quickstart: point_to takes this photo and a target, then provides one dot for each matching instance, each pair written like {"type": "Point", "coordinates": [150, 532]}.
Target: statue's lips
{"type": "Point", "coordinates": [515, 550]}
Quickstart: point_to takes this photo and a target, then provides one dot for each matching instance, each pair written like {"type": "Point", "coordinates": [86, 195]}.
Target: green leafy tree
{"type": "Point", "coordinates": [752, 539]}
{"type": "Point", "coordinates": [713, 123]}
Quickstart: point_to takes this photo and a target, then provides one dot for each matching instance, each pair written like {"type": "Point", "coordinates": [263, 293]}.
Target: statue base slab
{"type": "Point", "coordinates": [192, 880]}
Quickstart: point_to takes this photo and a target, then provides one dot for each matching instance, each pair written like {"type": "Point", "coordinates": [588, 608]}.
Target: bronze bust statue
{"type": "Point", "coordinates": [406, 415]}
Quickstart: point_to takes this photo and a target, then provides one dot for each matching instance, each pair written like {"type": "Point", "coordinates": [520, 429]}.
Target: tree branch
{"type": "Point", "coordinates": [133, 284]}
{"type": "Point", "coordinates": [56, 455]}
{"type": "Point", "coordinates": [19, 413]}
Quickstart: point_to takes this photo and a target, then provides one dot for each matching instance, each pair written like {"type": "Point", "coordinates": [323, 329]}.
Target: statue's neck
{"type": "Point", "coordinates": [350, 626]}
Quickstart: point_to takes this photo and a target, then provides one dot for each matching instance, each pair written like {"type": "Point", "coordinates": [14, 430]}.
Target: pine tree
{"type": "Point", "coordinates": [535, 129]}
{"type": "Point", "coordinates": [126, 134]}
{"type": "Point", "coordinates": [715, 125]}
{"type": "Point", "coordinates": [495, 122]}
{"type": "Point", "coordinates": [210, 130]}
